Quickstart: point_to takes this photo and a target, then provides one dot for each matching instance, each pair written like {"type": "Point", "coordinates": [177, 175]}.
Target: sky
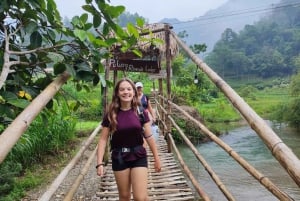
{"type": "Point", "coordinates": [152, 10]}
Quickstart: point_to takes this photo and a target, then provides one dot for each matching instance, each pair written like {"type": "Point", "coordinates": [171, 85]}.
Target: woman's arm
{"type": "Point", "coordinates": [104, 135]}
{"type": "Point", "coordinates": [151, 143]}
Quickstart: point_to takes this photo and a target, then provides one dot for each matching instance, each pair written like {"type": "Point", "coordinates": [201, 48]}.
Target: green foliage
{"type": "Point", "coordinates": [219, 111]}
{"type": "Point", "coordinates": [8, 171]}
{"type": "Point", "coordinates": [39, 40]}
{"type": "Point", "coordinates": [189, 129]}
{"type": "Point", "coordinates": [295, 85]}
{"type": "Point", "coordinates": [266, 49]}
{"type": "Point", "coordinates": [248, 92]}
{"type": "Point", "coordinates": [289, 111]}
{"type": "Point", "coordinates": [47, 135]}
{"type": "Point", "coordinates": [86, 99]}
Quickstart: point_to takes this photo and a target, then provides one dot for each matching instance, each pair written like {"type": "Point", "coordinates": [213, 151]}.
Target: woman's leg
{"type": "Point", "coordinates": [123, 182]}
{"type": "Point", "coordinates": [139, 181]}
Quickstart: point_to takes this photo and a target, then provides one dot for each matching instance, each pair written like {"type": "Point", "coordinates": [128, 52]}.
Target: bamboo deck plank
{"type": "Point", "coordinates": [169, 184]}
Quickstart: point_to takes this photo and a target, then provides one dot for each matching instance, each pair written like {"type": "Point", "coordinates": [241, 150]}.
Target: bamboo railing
{"type": "Point", "coordinates": [269, 185]}
{"type": "Point", "coordinates": [207, 167]}
{"type": "Point", "coordinates": [188, 172]}
{"type": "Point", "coordinates": [59, 179]}
{"type": "Point", "coordinates": [280, 150]}
{"type": "Point", "coordinates": [14, 131]}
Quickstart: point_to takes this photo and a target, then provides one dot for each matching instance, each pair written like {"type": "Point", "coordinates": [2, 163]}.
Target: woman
{"type": "Point", "coordinates": [129, 157]}
{"type": "Point", "coordinates": [145, 102]}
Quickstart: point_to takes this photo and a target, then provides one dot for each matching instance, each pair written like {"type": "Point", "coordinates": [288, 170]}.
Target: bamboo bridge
{"type": "Point", "coordinates": [176, 181]}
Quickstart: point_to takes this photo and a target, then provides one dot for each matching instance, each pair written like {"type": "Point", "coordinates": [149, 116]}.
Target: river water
{"type": "Point", "coordinates": [238, 181]}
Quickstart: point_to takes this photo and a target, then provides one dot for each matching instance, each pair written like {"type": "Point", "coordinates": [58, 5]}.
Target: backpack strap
{"type": "Point", "coordinates": [140, 110]}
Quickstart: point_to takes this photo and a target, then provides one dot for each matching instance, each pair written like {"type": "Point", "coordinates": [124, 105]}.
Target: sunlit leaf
{"type": "Point", "coordinates": [132, 30]}
{"type": "Point", "coordinates": [101, 43]}
{"type": "Point", "coordinates": [140, 22]}
{"type": "Point", "coordinates": [116, 11]}
{"type": "Point", "coordinates": [2, 100]}
{"type": "Point", "coordinates": [80, 34]}
{"type": "Point", "coordinates": [84, 18]}
{"type": "Point", "coordinates": [137, 52]}
{"type": "Point", "coordinates": [75, 21]}
{"type": "Point", "coordinates": [102, 80]}
{"type": "Point", "coordinates": [55, 57]}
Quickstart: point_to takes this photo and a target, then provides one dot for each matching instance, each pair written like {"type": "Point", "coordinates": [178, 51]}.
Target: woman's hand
{"type": "Point", "coordinates": [157, 165]}
{"type": "Point", "coordinates": [100, 171]}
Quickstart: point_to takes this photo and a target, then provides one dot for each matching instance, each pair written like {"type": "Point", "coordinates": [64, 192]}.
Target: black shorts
{"type": "Point", "coordinates": [117, 166]}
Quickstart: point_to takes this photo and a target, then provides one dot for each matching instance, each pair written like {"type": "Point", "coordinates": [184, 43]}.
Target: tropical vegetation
{"type": "Point", "coordinates": [261, 63]}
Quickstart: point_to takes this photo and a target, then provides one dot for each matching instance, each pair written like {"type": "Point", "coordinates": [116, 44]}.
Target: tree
{"type": "Point", "coordinates": [33, 39]}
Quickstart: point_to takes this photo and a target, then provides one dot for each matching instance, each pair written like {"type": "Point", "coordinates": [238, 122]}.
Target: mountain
{"type": "Point", "coordinates": [234, 14]}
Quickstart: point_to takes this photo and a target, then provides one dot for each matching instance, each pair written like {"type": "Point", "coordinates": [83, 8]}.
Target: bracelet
{"type": "Point", "coordinates": [101, 164]}
{"type": "Point", "coordinates": [148, 136]}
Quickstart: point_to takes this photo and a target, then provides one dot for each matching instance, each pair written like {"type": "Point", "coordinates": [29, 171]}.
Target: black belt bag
{"type": "Point", "coordinates": [126, 154]}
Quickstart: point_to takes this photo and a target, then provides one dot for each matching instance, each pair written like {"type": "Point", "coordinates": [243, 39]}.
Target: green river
{"type": "Point", "coordinates": [239, 182]}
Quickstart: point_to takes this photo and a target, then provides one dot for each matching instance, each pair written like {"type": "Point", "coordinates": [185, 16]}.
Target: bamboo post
{"type": "Point", "coordinates": [105, 89]}
{"type": "Point", "coordinates": [168, 66]}
{"type": "Point", "coordinates": [280, 151]}
{"type": "Point", "coordinates": [14, 131]}
{"type": "Point", "coordinates": [161, 102]}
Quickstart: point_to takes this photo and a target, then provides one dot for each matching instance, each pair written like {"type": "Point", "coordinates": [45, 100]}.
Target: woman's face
{"type": "Point", "coordinates": [125, 92]}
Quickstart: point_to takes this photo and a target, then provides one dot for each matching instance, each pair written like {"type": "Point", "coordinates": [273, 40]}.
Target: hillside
{"type": "Point", "coordinates": [234, 14]}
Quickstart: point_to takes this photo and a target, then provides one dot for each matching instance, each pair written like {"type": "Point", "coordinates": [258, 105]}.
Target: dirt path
{"type": "Point", "coordinates": [86, 191]}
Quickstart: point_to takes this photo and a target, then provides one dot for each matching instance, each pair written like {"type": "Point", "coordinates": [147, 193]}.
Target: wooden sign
{"type": "Point", "coordinates": [135, 65]}
{"type": "Point", "coordinates": [161, 75]}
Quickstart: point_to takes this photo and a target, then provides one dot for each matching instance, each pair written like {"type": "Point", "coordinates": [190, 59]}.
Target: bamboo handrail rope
{"type": "Point", "coordinates": [187, 171]}
{"type": "Point", "coordinates": [281, 152]}
{"type": "Point", "coordinates": [256, 174]}
{"type": "Point", "coordinates": [14, 131]}
{"type": "Point", "coordinates": [55, 184]}
{"type": "Point", "coordinates": [207, 167]}
{"type": "Point", "coordinates": [80, 177]}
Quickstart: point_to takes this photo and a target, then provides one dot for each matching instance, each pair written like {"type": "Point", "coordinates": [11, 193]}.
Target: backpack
{"type": "Point", "coordinates": [144, 101]}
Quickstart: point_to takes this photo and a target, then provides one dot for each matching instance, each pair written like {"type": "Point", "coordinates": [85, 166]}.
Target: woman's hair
{"type": "Point", "coordinates": [115, 104]}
